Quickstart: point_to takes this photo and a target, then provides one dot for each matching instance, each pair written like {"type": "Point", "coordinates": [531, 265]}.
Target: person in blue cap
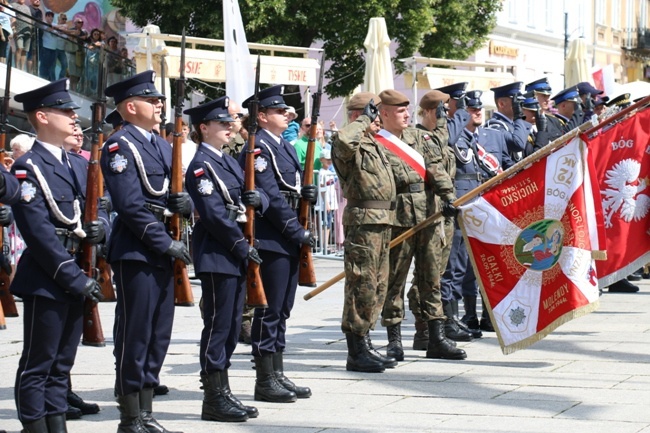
{"type": "Point", "coordinates": [508, 118]}
{"type": "Point", "coordinates": [136, 164]}
{"type": "Point", "coordinates": [49, 277]}
{"type": "Point", "coordinates": [588, 94]}
{"type": "Point", "coordinates": [600, 104]}
{"type": "Point", "coordinates": [280, 236]}
{"type": "Point", "coordinates": [534, 115]}
{"type": "Point", "coordinates": [569, 112]}
{"type": "Point", "coordinates": [215, 182]}
{"type": "Point", "coordinates": [543, 91]}
{"type": "Point", "coordinates": [457, 115]}
{"type": "Point", "coordinates": [481, 153]}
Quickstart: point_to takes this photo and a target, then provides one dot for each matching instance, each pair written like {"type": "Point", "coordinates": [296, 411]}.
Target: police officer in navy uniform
{"type": "Point", "coordinates": [136, 165]}
{"type": "Point", "coordinates": [49, 278]}
{"type": "Point", "coordinates": [457, 115]}
{"type": "Point", "coordinates": [569, 111]}
{"type": "Point", "coordinates": [509, 118]}
{"type": "Point", "coordinates": [215, 181]}
{"type": "Point", "coordinates": [534, 115]}
{"type": "Point", "coordinates": [543, 91]}
{"type": "Point", "coordinates": [481, 153]}
{"type": "Point", "coordinates": [280, 236]}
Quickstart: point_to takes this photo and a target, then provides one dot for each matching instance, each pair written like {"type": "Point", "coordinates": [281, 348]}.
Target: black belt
{"type": "Point", "coordinates": [157, 211]}
{"type": "Point", "coordinates": [469, 176]}
{"type": "Point", "coordinates": [70, 241]}
{"type": "Point", "coordinates": [371, 204]}
{"type": "Point", "coordinates": [292, 198]}
{"type": "Point", "coordinates": [413, 187]}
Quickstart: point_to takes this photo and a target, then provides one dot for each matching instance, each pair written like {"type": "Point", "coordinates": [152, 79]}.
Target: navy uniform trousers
{"type": "Point", "coordinates": [279, 235]}
{"type": "Point", "coordinates": [144, 313]}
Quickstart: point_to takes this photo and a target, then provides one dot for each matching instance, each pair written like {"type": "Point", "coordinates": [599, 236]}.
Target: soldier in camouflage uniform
{"type": "Point", "coordinates": [367, 182]}
{"type": "Point", "coordinates": [416, 199]}
{"type": "Point", "coordinates": [434, 120]}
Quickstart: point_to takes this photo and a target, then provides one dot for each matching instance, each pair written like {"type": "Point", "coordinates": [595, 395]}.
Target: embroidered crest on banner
{"type": "Point", "coordinates": [27, 191]}
{"type": "Point", "coordinates": [118, 163]}
{"type": "Point", "coordinates": [205, 187]}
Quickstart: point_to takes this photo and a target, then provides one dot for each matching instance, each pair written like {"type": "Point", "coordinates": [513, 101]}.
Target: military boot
{"type": "Point", "coordinates": [56, 423]}
{"type": "Point", "coordinates": [421, 337]}
{"type": "Point", "coordinates": [439, 347]}
{"type": "Point", "coordinates": [146, 413]}
{"type": "Point", "coordinates": [129, 407]}
{"type": "Point", "coordinates": [387, 361]}
{"type": "Point", "coordinates": [394, 348]}
{"type": "Point", "coordinates": [470, 319]}
{"type": "Point", "coordinates": [278, 369]}
{"type": "Point", "coordinates": [251, 411]}
{"type": "Point", "coordinates": [267, 387]}
{"type": "Point", "coordinates": [486, 322]}
{"type": "Point", "coordinates": [216, 406]}
{"type": "Point", "coordinates": [452, 331]}
{"type": "Point", "coordinates": [359, 358]}
{"type": "Point", "coordinates": [38, 426]}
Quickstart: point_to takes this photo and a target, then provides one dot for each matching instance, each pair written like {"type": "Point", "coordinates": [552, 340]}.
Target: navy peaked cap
{"type": "Point", "coordinates": [269, 98]}
{"type": "Point", "coordinates": [141, 84]}
{"type": "Point", "coordinates": [52, 95]}
{"type": "Point", "coordinates": [217, 110]}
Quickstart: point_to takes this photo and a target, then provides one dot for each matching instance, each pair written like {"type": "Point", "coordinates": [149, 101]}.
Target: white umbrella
{"type": "Point", "coordinates": [379, 70]}
{"type": "Point", "coordinates": [576, 68]}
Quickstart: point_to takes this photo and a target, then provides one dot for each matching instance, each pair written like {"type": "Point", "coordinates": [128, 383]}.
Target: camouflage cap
{"type": "Point", "coordinates": [432, 99]}
{"type": "Point", "coordinates": [358, 101]}
{"type": "Point", "coordinates": [393, 97]}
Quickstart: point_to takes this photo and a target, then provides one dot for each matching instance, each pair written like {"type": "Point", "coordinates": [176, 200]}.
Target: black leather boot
{"type": "Point", "coordinates": [129, 407]}
{"type": "Point", "coordinates": [421, 337]}
{"type": "Point", "coordinates": [86, 408]}
{"type": "Point", "coordinates": [470, 319]}
{"type": "Point", "coordinates": [251, 411]}
{"type": "Point", "coordinates": [278, 369]}
{"type": "Point", "coordinates": [387, 361]}
{"type": "Point", "coordinates": [452, 331]}
{"type": "Point", "coordinates": [394, 348]}
{"type": "Point", "coordinates": [359, 358]}
{"type": "Point", "coordinates": [623, 286]}
{"type": "Point", "coordinates": [439, 347]}
{"type": "Point", "coordinates": [486, 322]}
{"type": "Point", "coordinates": [267, 387]}
{"type": "Point", "coordinates": [146, 413]}
{"type": "Point", "coordinates": [56, 423]}
{"type": "Point", "coordinates": [38, 426]}
{"type": "Point", "coordinates": [216, 406]}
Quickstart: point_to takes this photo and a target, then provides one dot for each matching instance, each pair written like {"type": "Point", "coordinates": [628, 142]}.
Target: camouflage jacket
{"type": "Point", "coordinates": [235, 146]}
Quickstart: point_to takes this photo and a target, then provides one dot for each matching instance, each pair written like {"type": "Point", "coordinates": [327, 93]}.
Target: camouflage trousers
{"type": "Point", "coordinates": [366, 273]}
{"type": "Point", "coordinates": [413, 294]}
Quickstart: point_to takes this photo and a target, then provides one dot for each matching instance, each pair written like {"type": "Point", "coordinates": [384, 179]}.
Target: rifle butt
{"type": "Point", "coordinates": [183, 296]}
{"type": "Point", "coordinates": [3, 322]}
{"type": "Point", "coordinates": [306, 273]}
{"type": "Point", "coordinates": [104, 280]}
{"type": "Point", "coordinates": [92, 329]}
{"type": "Point", "coordinates": [6, 298]}
{"type": "Point", "coordinates": [255, 296]}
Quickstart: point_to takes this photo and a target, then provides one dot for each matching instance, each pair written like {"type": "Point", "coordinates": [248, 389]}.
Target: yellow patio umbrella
{"type": "Point", "coordinates": [576, 68]}
{"type": "Point", "coordinates": [379, 69]}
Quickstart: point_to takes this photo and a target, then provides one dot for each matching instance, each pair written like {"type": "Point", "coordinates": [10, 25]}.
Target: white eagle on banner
{"type": "Point", "coordinates": [624, 192]}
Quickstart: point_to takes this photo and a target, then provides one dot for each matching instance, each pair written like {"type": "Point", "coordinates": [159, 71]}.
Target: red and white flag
{"type": "Point", "coordinates": [622, 161]}
{"type": "Point", "coordinates": [532, 240]}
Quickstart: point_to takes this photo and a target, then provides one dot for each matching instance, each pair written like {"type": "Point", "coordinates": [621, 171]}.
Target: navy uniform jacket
{"type": "Point", "coordinates": [137, 234]}
{"type": "Point", "coordinates": [278, 230]}
{"type": "Point", "coordinates": [45, 267]}
{"type": "Point", "coordinates": [218, 243]}
{"type": "Point", "coordinates": [515, 133]}
{"type": "Point", "coordinates": [456, 125]}
{"type": "Point", "coordinates": [11, 191]}
{"type": "Point", "coordinates": [467, 163]}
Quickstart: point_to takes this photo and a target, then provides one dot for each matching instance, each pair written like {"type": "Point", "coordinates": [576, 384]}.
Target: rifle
{"type": "Point", "coordinates": [92, 326]}
{"type": "Point", "coordinates": [182, 288]}
{"type": "Point", "coordinates": [255, 296]}
{"type": "Point", "coordinates": [306, 274]}
{"type": "Point", "coordinates": [6, 298]}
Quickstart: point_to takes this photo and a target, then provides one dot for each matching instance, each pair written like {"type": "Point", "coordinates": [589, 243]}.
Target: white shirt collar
{"type": "Point", "coordinates": [147, 134]}
{"type": "Point", "coordinates": [275, 137]}
{"type": "Point", "coordinates": [54, 150]}
{"type": "Point", "coordinates": [212, 149]}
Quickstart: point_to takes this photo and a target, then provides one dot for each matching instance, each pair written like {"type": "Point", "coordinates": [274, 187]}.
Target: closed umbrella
{"type": "Point", "coordinates": [576, 68]}
{"type": "Point", "coordinates": [379, 70]}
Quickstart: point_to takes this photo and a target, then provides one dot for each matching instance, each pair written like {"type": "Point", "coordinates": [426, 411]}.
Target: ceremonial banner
{"type": "Point", "coordinates": [531, 239]}
{"type": "Point", "coordinates": [621, 157]}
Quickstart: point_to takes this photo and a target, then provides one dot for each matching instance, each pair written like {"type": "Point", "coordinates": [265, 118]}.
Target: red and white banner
{"type": "Point", "coordinates": [532, 240]}
{"type": "Point", "coordinates": [622, 161]}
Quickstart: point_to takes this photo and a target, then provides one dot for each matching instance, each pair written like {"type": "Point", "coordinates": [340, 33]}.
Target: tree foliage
{"type": "Point", "coordinates": [451, 29]}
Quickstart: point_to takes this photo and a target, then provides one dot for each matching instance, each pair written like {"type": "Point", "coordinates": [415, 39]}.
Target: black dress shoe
{"type": "Point", "coordinates": [623, 286]}
{"type": "Point", "coordinates": [635, 277]}
{"type": "Point", "coordinates": [86, 408]}
{"type": "Point", "coordinates": [160, 390]}
{"type": "Point", "coordinates": [72, 413]}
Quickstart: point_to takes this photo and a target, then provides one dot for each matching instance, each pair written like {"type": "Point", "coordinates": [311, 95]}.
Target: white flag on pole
{"type": "Point", "coordinates": [240, 79]}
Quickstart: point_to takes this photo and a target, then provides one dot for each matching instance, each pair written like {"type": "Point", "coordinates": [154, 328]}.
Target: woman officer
{"type": "Point", "coordinates": [215, 182]}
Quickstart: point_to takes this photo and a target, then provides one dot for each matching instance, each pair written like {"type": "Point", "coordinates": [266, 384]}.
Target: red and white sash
{"type": "Point", "coordinates": [403, 150]}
